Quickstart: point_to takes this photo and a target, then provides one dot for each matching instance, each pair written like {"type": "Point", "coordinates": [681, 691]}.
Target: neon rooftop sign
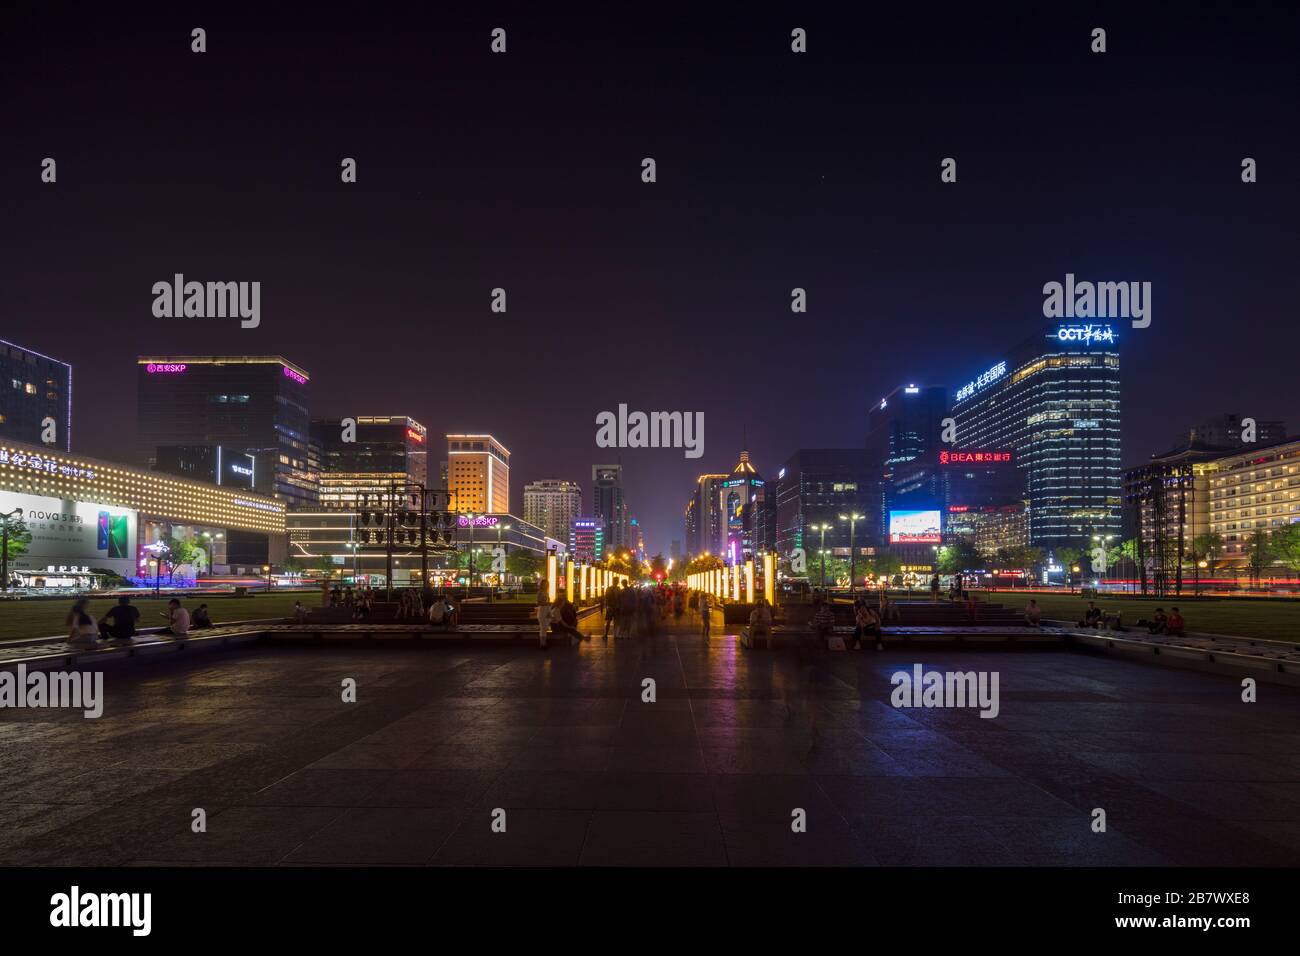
{"type": "Point", "coordinates": [988, 378]}
{"type": "Point", "coordinates": [166, 368]}
{"type": "Point", "coordinates": [290, 373]}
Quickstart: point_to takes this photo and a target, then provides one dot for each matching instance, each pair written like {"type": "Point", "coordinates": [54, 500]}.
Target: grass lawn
{"type": "Point", "coordinates": [1276, 619]}
{"type": "Point", "coordinates": [24, 619]}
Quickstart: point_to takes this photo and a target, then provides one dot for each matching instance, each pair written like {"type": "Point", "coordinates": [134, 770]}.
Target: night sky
{"type": "Point", "coordinates": [775, 170]}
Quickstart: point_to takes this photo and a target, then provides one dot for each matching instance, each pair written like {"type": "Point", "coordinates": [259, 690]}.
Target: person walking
{"type": "Point", "coordinates": [609, 606]}
{"type": "Point", "coordinates": [705, 605]}
{"type": "Point", "coordinates": [760, 622]}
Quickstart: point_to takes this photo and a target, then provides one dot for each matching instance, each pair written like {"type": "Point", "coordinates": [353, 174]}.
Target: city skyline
{"type": "Point", "coordinates": [829, 186]}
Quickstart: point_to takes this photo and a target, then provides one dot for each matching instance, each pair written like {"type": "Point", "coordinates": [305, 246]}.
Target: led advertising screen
{"type": "Point", "coordinates": [914, 527]}
{"type": "Point", "coordinates": [73, 533]}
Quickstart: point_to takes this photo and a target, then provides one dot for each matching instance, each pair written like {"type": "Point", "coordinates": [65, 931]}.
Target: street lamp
{"type": "Point", "coordinates": [852, 518]}
{"type": "Point", "coordinates": [266, 569]}
{"type": "Point", "coordinates": [823, 528]}
{"type": "Point", "coordinates": [157, 570]}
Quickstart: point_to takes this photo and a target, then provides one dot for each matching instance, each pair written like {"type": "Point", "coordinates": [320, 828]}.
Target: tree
{"type": "Point", "coordinates": [703, 562]}
{"type": "Point", "coordinates": [659, 567]}
{"type": "Point", "coordinates": [1069, 558]}
{"type": "Point", "coordinates": [889, 565]}
{"type": "Point", "coordinates": [523, 565]}
{"type": "Point", "coordinates": [19, 536]}
{"type": "Point", "coordinates": [955, 558]}
{"type": "Point", "coordinates": [1286, 545]}
{"type": "Point", "coordinates": [1208, 546]}
{"type": "Point", "coordinates": [1257, 554]}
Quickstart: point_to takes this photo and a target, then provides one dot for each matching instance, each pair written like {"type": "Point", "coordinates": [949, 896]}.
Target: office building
{"type": "Point", "coordinates": [608, 504]}
{"type": "Point", "coordinates": [904, 431]}
{"type": "Point", "coordinates": [255, 403]}
{"type": "Point", "coordinates": [214, 464]}
{"type": "Point", "coordinates": [814, 488]}
{"type": "Point", "coordinates": [1053, 402]}
{"type": "Point", "coordinates": [478, 474]}
{"type": "Point", "coordinates": [369, 457]}
{"type": "Point", "coordinates": [35, 392]}
{"type": "Point", "coordinates": [552, 504]}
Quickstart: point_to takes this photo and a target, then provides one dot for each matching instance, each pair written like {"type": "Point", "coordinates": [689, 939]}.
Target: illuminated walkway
{"type": "Point", "coordinates": [709, 774]}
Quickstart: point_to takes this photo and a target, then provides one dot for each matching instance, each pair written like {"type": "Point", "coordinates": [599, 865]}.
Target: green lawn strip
{"type": "Point", "coordinates": [44, 618]}
{"type": "Point", "coordinates": [1276, 619]}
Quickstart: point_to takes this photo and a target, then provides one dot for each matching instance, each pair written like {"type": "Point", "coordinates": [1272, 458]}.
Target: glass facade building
{"type": "Point", "coordinates": [1054, 402]}
{"type": "Point", "coordinates": [34, 388]}
{"type": "Point", "coordinates": [257, 403]}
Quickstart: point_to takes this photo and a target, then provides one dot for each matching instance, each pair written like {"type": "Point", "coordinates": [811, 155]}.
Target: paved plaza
{"type": "Point", "coordinates": [709, 774]}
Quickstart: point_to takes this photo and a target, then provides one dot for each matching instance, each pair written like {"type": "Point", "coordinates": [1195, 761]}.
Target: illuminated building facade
{"type": "Point", "coordinates": [703, 517]}
{"type": "Point", "coordinates": [587, 539]}
{"type": "Point", "coordinates": [257, 403]}
{"type": "Point", "coordinates": [552, 504]}
{"type": "Point", "coordinates": [478, 474]}
{"type": "Point", "coordinates": [1054, 403]}
{"type": "Point", "coordinates": [903, 438]}
{"type": "Point", "coordinates": [989, 528]}
{"type": "Point", "coordinates": [1252, 491]}
{"type": "Point", "coordinates": [87, 513]}
{"type": "Point", "coordinates": [214, 464]}
{"type": "Point", "coordinates": [34, 388]}
{"type": "Point", "coordinates": [333, 544]}
{"type": "Point", "coordinates": [385, 450]}
{"type": "Point", "coordinates": [740, 497]}
{"type": "Point", "coordinates": [815, 487]}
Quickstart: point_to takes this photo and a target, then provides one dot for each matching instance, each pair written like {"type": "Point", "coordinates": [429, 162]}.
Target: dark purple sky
{"type": "Point", "coordinates": [775, 171]}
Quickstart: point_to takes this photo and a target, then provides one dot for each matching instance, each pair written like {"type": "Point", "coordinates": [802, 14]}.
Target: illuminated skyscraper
{"type": "Point", "coordinates": [607, 504]}
{"type": "Point", "coordinates": [1054, 402]}
{"type": "Point", "coordinates": [257, 403]}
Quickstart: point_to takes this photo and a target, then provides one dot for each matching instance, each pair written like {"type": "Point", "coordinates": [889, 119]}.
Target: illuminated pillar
{"type": "Point", "coordinates": [749, 580]}
{"type": "Point", "coordinates": [582, 582]}
{"type": "Point", "coordinates": [769, 577]}
{"type": "Point", "coordinates": [568, 578]}
{"type": "Point", "coordinates": [551, 575]}
{"type": "Point", "coordinates": [735, 583]}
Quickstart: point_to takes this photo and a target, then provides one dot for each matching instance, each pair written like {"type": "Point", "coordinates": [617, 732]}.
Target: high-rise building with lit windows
{"type": "Point", "coordinates": [377, 453]}
{"type": "Point", "coordinates": [552, 504]}
{"type": "Point", "coordinates": [1054, 402]}
{"type": "Point", "coordinates": [478, 474]}
{"type": "Point", "coordinates": [256, 403]}
{"type": "Point", "coordinates": [35, 390]}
